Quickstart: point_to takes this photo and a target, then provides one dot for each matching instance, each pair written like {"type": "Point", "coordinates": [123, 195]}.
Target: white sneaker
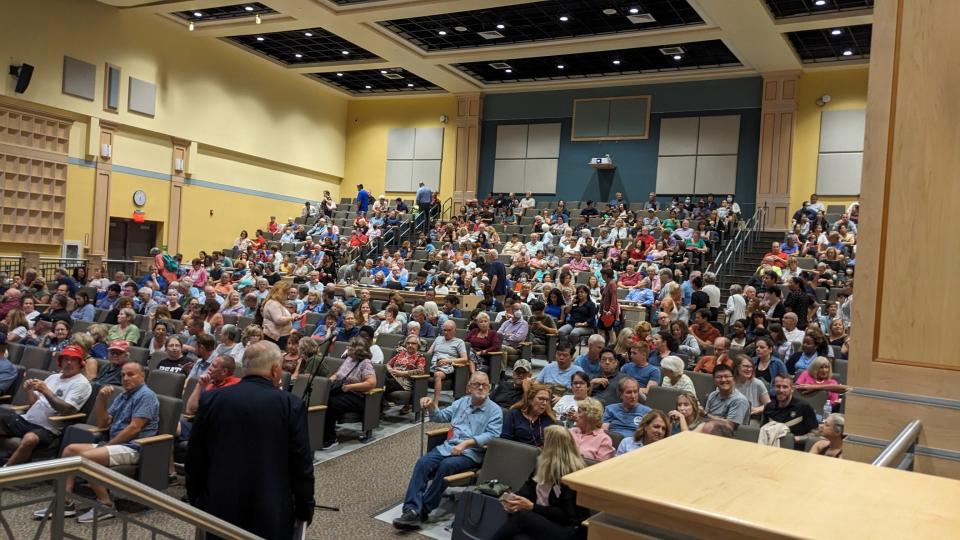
{"type": "Point", "coordinates": [69, 510]}
{"type": "Point", "coordinates": [87, 517]}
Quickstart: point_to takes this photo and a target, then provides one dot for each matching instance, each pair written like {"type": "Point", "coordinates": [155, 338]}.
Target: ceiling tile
{"type": "Point", "coordinates": [380, 81]}
{"type": "Point", "coordinates": [312, 44]}
{"type": "Point", "coordinates": [224, 13]}
{"type": "Point", "coordinates": [796, 8]}
{"type": "Point", "coordinates": [824, 45]}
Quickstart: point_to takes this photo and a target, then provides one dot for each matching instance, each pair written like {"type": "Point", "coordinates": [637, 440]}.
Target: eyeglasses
{"type": "Point", "coordinates": [480, 385]}
{"type": "Point", "coordinates": [579, 383]}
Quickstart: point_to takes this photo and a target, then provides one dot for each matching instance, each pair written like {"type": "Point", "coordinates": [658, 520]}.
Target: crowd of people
{"type": "Point", "coordinates": [564, 286]}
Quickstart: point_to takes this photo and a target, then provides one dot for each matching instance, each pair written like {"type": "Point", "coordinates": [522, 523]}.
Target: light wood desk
{"type": "Point", "coordinates": [704, 486]}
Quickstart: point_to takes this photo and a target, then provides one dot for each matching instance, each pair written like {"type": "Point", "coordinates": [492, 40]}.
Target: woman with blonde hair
{"type": "Point", "coordinates": [622, 346]}
{"type": "Point", "coordinates": [251, 334]}
{"type": "Point", "coordinates": [276, 315]}
{"type": "Point", "coordinates": [593, 443]}
{"type": "Point", "coordinates": [817, 377]}
{"type": "Point", "coordinates": [545, 508]}
{"type": "Point", "coordinates": [686, 416]}
{"type": "Point", "coordinates": [652, 428]}
{"type": "Point", "coordinates": [232, 305]}
{"type": "Point", "coordinates": [643, 331]}
{"type": "Point", "coordinates": [672, 303]}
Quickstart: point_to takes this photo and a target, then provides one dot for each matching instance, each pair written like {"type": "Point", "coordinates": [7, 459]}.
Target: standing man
{"type": "Point", "coordinates": [423, 200]}
{"type": "Point", "coordinates": [363, 200]}
{"type": "Point", "coordinates": [267, 482]}
{"type": "Point", "coordinates": [498, 275]}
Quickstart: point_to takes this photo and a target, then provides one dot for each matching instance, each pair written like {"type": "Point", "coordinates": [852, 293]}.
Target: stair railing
{"type": "Point", "coordinates": [733, 252]}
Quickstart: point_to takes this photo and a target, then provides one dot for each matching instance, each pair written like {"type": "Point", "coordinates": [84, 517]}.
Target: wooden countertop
{"type": "Point", "coordinates": [711, 487]}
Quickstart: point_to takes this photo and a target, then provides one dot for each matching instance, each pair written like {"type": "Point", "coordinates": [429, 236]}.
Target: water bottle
{"type": "Point", "coordinates": [827, 409]}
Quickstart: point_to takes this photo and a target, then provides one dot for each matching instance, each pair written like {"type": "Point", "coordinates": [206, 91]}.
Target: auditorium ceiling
{"type": "Point", "coordinates": [370, 48]}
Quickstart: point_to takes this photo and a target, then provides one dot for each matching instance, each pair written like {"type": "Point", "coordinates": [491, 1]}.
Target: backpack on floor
{"type": "Point", "coordinates": [478, 516]}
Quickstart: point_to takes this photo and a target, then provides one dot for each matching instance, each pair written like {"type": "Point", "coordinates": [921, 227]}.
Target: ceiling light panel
{"type": "Point", "coordinates": [395, 80]}
{"type": "Point", "coordinates": [814, 46]}
{"type": "Point", "coordinates": [538, 21]}
{"type": "Point", "coordinates": [321, 46]}
{"type": "Point", "coordinates": [782, 9]}
{"type": "Point", "coordinates": [697, 55]}
{"type": "Point", "coordinates": [224, 13]}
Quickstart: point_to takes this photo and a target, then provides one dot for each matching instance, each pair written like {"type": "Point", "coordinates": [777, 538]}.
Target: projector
{"type": "Point", "coordinates": [605, 160]}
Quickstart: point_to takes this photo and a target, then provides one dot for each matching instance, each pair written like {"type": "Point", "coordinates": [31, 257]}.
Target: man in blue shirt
{"type": "Point", "coordinates": [475, 420]}
{"type": "Point", "coordinates": [8, 372]}
{"type": "Point", "coordinates": [645, 373]}
{"type": "Point", "coordinates": [134, 414]}
{"type": "Point", "coordinates": [590, 360]}
{"type": "Point", "coordinates": [560, 371]}
{"type": "Point", "coordinates": [424, 198]}
{"type": "Point", "coordinates": [363, 199]}
{"type": "Point", "coordinates": [624, 417]}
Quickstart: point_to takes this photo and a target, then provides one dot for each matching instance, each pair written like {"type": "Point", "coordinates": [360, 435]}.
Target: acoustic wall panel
{"type": "Point", "coordinates": [539, 176]}
{"type": "Point", "coordinates": [543, 141]}
{"type": "Point", "coordinates": [842, 131]}
{"type": "Point", "coordinates": [591, 119]}
{"type": "Point", "coordinates": [426, 171]}
{"type": "Point", "coordinates": [676, 174]}
{"type": "Point", "coordinates": [112, 90]}
{"type": "Point", "coordinates": [399, 175]}
{"type": "Point", "coordinates": [143, 97]}
{"type": "Point", "coordinates": [716, 174]}
{"type": "Point", "coordinates": [628, 117]}
{"type": "Point", "coordinates": [400, 143]}
{"type": "Point", "coordinates": [428, 143]}
{"type": "Point", "coordinates": [619, 118]}
{"type": "Point", "coordinates": [508, 175]}
{"type": "Point", "coordinates": [79, 78]}
{"type": "Point", "coordinates": [512, 141]}
{"type": "Point", "coordinates": [719, 135]}
{"type": "Point", "coordinates": [678, 136]}
{"type": "Point", "coordinates": [839, 173]}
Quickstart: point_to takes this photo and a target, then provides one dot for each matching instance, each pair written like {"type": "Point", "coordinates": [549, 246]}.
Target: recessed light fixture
{"type": "Point", "coordinates": [508, 70]}
{"type": "Point", "coordinates": [564, 18]}
{"type": "Point", "coordinates": [678, 57]}
{"type": "Point", "coordinates": [501, 26]}
{"type": "Point", "coordinates": [616, 62]}
{"type": "Point", "coordinates": [190, 26]}
{"type": "Point", "coordinates": [634, 11]}
{"type": "Point", "coordinates": [257, 19]}
{"type": "Point", "coordinates": [836, 32]}
{"type": "Point", "coordinates": [409, 85]}
{"type": "Point", "coordinates": [819, 3]}
{"type": "Point", "coordinates": [460, 28]}
{"type": "Point", "coordinates": [344, 52]}
{"type": "Point", "coordinates": [367, 86]}
{"type": "Point", "coordinates": [848, 52]}
{"type": "Point", "coordinates": [259, 38]}
{"type": "Point", "coordinates": [197, 14]}
{"type": "Point", "coordinates": [609, 11]}
{"type": "Point", "coordinates": [383, 72]}
{"type": "Point", "coordinates": [339, 74]}
{"type": "Point", "coordinates": [442, 32]}
{"type": "Point", "coordinates": [297, 55]}
{"type": "Point", "coordinates": [308, 34]}
{"type": "Point", "coordinates": [248, 8]}
{"type": "Point", "coordinates": [560, 66]}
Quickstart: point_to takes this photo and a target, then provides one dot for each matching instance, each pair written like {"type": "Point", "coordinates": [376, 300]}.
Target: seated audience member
{"type": "Point", "coordinates": [686, 343]}
{"type": "Point", "coordinates": [176, 361]}
{"type": "Point", "coordinates": [701, 329]}
{"type": "Point", "coordinates": [663, 344]}
{"type": "Point", "coordinates": [831, 429]}
{"type": "Point", "coordinates": [726, 404]}
{"type": "Point", "coordinates": [513, 332]}
{"type": "Point", "coordinates": [818, 378]}
{"type": "Point", "coordinates": [604, 384]}
{"type": "Point", "coordinates": [565, 406]}
{"type": "Point", "coordinates": [83, 308]}
{"type": "Point", "coordinates": [58, 339]}
{"type": "Point", "coordinates": [406, 362]}
{"type": "Point", "coordinates": [624, 417]}
{"type": "Point", "coordinates": [526, 420]}
{"type": "Point", "coordinates": [511, 390]}
{"type": "Point", "coordinates": [8, 372]}
{"type": "Point", "coordinates": [559, 371]}
{"type": "Point", "coordinates": [205, 346]}
{"type": "Point", "coordinates": [719, 428]}
{"type": "Point", "coordinates": [590, 360]}
{"type": "Point", "coordinates": [446, 350]}
{"type": "Point", "coordinates": [59, 394]}
{"type": "Point", "coordinates": [119, 354]}
{"type": "Point", "coordinates": [686, 416]}
{"type": "Point", "coordinates": [581, 315]}
{"type": "Point", "coordinates": [353, 378]}
{"type": "Point", "coordinates": [748, 385]}
{"type": "Point", "coordinates": [545, 508]}
{"type": "Point", "coordinates": [674, 377]}
{"type": "Point", "coordinates": [134, 414]}
{"type": "Point", "coordinates": [640, 369]}
{"type": "Point", "coordinates": [721, 346]}
{"type": "Point", "coordinates": [652, 428]}
{"type": "Point", "coordinates": [591, 440]}
{"type": "Point", "coordinates": [474, 421]}
{"type": "Point", "coordinates": [229, 342]}
{"type": "Point", "coordinates": [766, 365]}
{"type": "Point", "coordinates": [787, 408]}
{"type": "Point", "coordinates": [483, 340]}
{"type": "Point", "coordinates": [158, 339]}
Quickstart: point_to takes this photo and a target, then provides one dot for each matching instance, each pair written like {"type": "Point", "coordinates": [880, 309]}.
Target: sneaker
{"type": "Point", "coordinates": [173, 479]}
{"type": "Point", "coordinates": [330, 445]}
{"type": "Point", "coordinates": [87, 517]}
{"type": "Point", "coordinates": [409, 521]}
{"type": "Point", "coordinates": [69, 510]}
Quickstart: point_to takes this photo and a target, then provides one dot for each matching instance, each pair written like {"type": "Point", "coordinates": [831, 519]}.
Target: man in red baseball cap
{"type": "Point", "coordinates": [59, 394]}
{"type": "Point", "coordinates": [118, 354]}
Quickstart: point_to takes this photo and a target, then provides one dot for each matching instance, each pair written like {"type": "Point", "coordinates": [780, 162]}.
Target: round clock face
{"type": "Point", "coordinates": [139, 198]}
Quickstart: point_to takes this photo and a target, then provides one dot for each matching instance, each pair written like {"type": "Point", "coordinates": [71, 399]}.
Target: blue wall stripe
{"type": "Point", "coordinates": [141, 172]}
{"type": "Point", "coordinates": [81, 162]}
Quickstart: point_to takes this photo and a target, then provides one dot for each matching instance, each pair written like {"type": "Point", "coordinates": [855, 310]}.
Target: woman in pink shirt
{"type": "Point", "coordinates": [578, 263]}
{"type": "Point", "coordinates": [817, 378]}
{"type": "Point", "coordinates": [593, 442]}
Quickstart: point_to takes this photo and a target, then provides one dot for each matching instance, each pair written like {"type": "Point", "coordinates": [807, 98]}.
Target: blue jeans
{"type": "Point", "coordinates": [422, 499]}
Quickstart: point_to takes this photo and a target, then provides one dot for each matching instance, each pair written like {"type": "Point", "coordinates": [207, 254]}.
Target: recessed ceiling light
{"type": "Point", "coordinates": [508, 70]}
{"type": "Point", "coordinates": [409, 85]}
{"type": "Point", "coordinates": [848, 52]}
{"type": "Point", "coordinates": [368, 86]}
{"type": "Point", "coordinates": [560, 66]}
{"type": "Point", "coordinates": [501, 26]}
{"type": "Point", "coordinates": [339, 74]}
{"type": "Point", "coordinates": [248, 8]}
{"type": "Point", "coordinates": [564, 18]}
{"type": "Point", "coordinates": [677, 57]}
{"type": "Point", "coordinates": [197, 14]}
{"type": "Point", "coordinates": [609, 11]}
{"type": "Point", "coordinates": [616, 62]}
{"type": "Point", "coordinates": [460, 28]}
{"type": "Point", "coordinates": [308, 34]}
{"type": "Point", "coordinates": [442, 32]}
{"type": "Point", "coordinates": [836, 32]}
{"type": "Point", "coordinates": [259, 38]}
{"type": "Point", "coordinates": [344, 52]}
{"type": "Point", "coordinates": [257, 18]}
{"type": "Point", "coordinates": [383, 72]}
{"type": "Point", "coordinates": [190, 26]}
{"type": "Point", "coordinates": [820, 3]}
{"type": "Point", "coordinates": [634, 11]}
{"type": "Point", "coordinates": [297, 55]}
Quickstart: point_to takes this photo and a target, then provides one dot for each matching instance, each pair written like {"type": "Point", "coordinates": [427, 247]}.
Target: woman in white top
{"type": "Point", "coordinates": [750, 386]}
{"type": "Point", "coordinates": [565, 407]}
{"type": "Point", "coordinates": [30, 311]}
{"type": "Point", "coordinates": [673, 375]}
{"type": "Point", "coordinates": [390, 324]}
{"type": "Point", "coordinates": [277, 318]}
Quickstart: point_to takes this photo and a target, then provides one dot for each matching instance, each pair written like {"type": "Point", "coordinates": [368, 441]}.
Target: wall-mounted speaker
{"type": "Point", "coordinates": [23, 73]}
{"type": "Point", "coordinates": [106, 151]}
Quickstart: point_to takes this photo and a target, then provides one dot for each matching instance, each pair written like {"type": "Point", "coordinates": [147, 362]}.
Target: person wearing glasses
{"type": "Point", "coordinates": [726, 404]}
{"type": "Point", "coordinates": [475, 420]}
{"type": "Point", "coordinates": [526, 420]}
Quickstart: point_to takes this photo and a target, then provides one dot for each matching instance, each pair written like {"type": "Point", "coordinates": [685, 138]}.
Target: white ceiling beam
{"type": "Point", "coordinates": [623, 80]}
{"type": "Point", "coordinates": [825, 20]}
{"type": "Point", "coordinates": [749, 32]}
{"type": "Point", "coordinates": [333, 67]}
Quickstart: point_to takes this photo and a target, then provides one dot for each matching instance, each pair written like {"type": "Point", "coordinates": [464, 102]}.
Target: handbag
{"type": "Point", "coordinates": [478, 517]}
{"type": "Point", "coordinates": [336, 387]}
{"type": "Point", "coordinates": [607, 319]}
{"type": "Point", "coordinates": [493, 488]}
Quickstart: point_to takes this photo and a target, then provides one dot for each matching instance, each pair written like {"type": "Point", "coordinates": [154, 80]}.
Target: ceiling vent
{"type": "Point", "coordinates": [641, 18]}
{"type": "Point", "coordinates": [490, 34]}
{"type": "Point", "coordinates": [393, 76]}
{"type": "Point", "coordinates": [670, 51]}
{"type": "Point", "coordinates": [500, 65]}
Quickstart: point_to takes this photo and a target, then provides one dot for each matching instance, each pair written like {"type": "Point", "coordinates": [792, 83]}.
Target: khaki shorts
{"type": "Point", "coordinates": [122, 455]}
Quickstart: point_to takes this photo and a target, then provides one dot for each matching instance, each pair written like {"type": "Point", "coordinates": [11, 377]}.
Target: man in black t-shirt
{"type": "Point", "coordinates": [786, 408]}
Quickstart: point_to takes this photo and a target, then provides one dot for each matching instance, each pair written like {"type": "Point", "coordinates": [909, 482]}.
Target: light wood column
{"type": "Point", "coordinates": [467, 122]}
{"type": "Point", "coordinates": [904, 363]}
{"type": "Point", "coordinates": [181, 155]}
{"type": "Point", "coordinates": [778, 116]}
{"type": "Point", "coordinates": [101, 190]}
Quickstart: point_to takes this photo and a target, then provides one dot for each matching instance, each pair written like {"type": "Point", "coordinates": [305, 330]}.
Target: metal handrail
{"type": "Point", "coordinates": [57, 470]}
{"type": "Point", "coordinates": [900, 449]}
{"type": "Point", "coordinates": [748, 234]}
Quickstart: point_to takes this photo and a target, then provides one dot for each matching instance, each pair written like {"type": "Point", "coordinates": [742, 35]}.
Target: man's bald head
{"type": "Point", "coordinates": [261, 357]}
{"type": "Point", "coordinates": [11, 294]}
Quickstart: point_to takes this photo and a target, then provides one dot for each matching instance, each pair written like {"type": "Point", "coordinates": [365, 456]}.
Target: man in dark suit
{"type": "Point", "coordinates": [249, 460]}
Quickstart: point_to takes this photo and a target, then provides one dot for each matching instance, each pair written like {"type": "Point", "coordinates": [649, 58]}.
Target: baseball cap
{"type": "Point", "coordinates": [72, 351]}
{"type": "Point", "coordinates": [119, 345]}
{"type": "Point", "coordinates": [523, 364]}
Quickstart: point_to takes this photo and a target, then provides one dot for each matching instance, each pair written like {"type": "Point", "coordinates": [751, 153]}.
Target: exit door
{"type": "Point", "coordinates": [129, 239]}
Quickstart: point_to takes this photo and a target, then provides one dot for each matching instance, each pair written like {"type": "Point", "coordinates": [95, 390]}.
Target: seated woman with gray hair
{"type": "Point", "coordinates": [593, 443]}
{"type": "Point", "coordinates": [831, 429]}
{"type": "Point", "coordinates": [353, 378]}
{"type": "Point", "coordinates": [229, 342]}
{"type": "Point", "coordinates": [673, 376]}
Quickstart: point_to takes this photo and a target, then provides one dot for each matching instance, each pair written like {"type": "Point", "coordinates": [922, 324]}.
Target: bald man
{"type": "Point", "coordinates": [11, 301]}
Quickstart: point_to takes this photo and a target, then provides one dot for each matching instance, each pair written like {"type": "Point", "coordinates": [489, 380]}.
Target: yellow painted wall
{"type": "Point", "coordinates": [122, 187]}
{"type": "Point", "coordinates": [79, 214]}
{"type": "Point", "coordinates": [848, 90]}
{"type": "Point", "coordinates": [214, 166]}
{"type": "Point", "coordinates": [368, 123]}
{"type": "Point", "coordinates": [207, 90]}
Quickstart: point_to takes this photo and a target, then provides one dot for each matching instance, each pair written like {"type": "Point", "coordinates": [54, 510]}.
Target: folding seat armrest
{"type": "Point", "coordinates": [459, 477]}
{"type": "Point", "coordinates": [15, 408]}
{"type": "Point", "coordinates": [436, 432]}
{"type": "Point", "coordinates": [6, 397]}
{"type": "Point", "coordinates": [374, 391]}
{"type": "Point", "coordinates": [316, 408]}
{"type": "Point", "coordinates": [153, 440]}
{"type": "Point", "coordinates": [155, 455]}
{"type": "Point", "coordinates": [68, 417]}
